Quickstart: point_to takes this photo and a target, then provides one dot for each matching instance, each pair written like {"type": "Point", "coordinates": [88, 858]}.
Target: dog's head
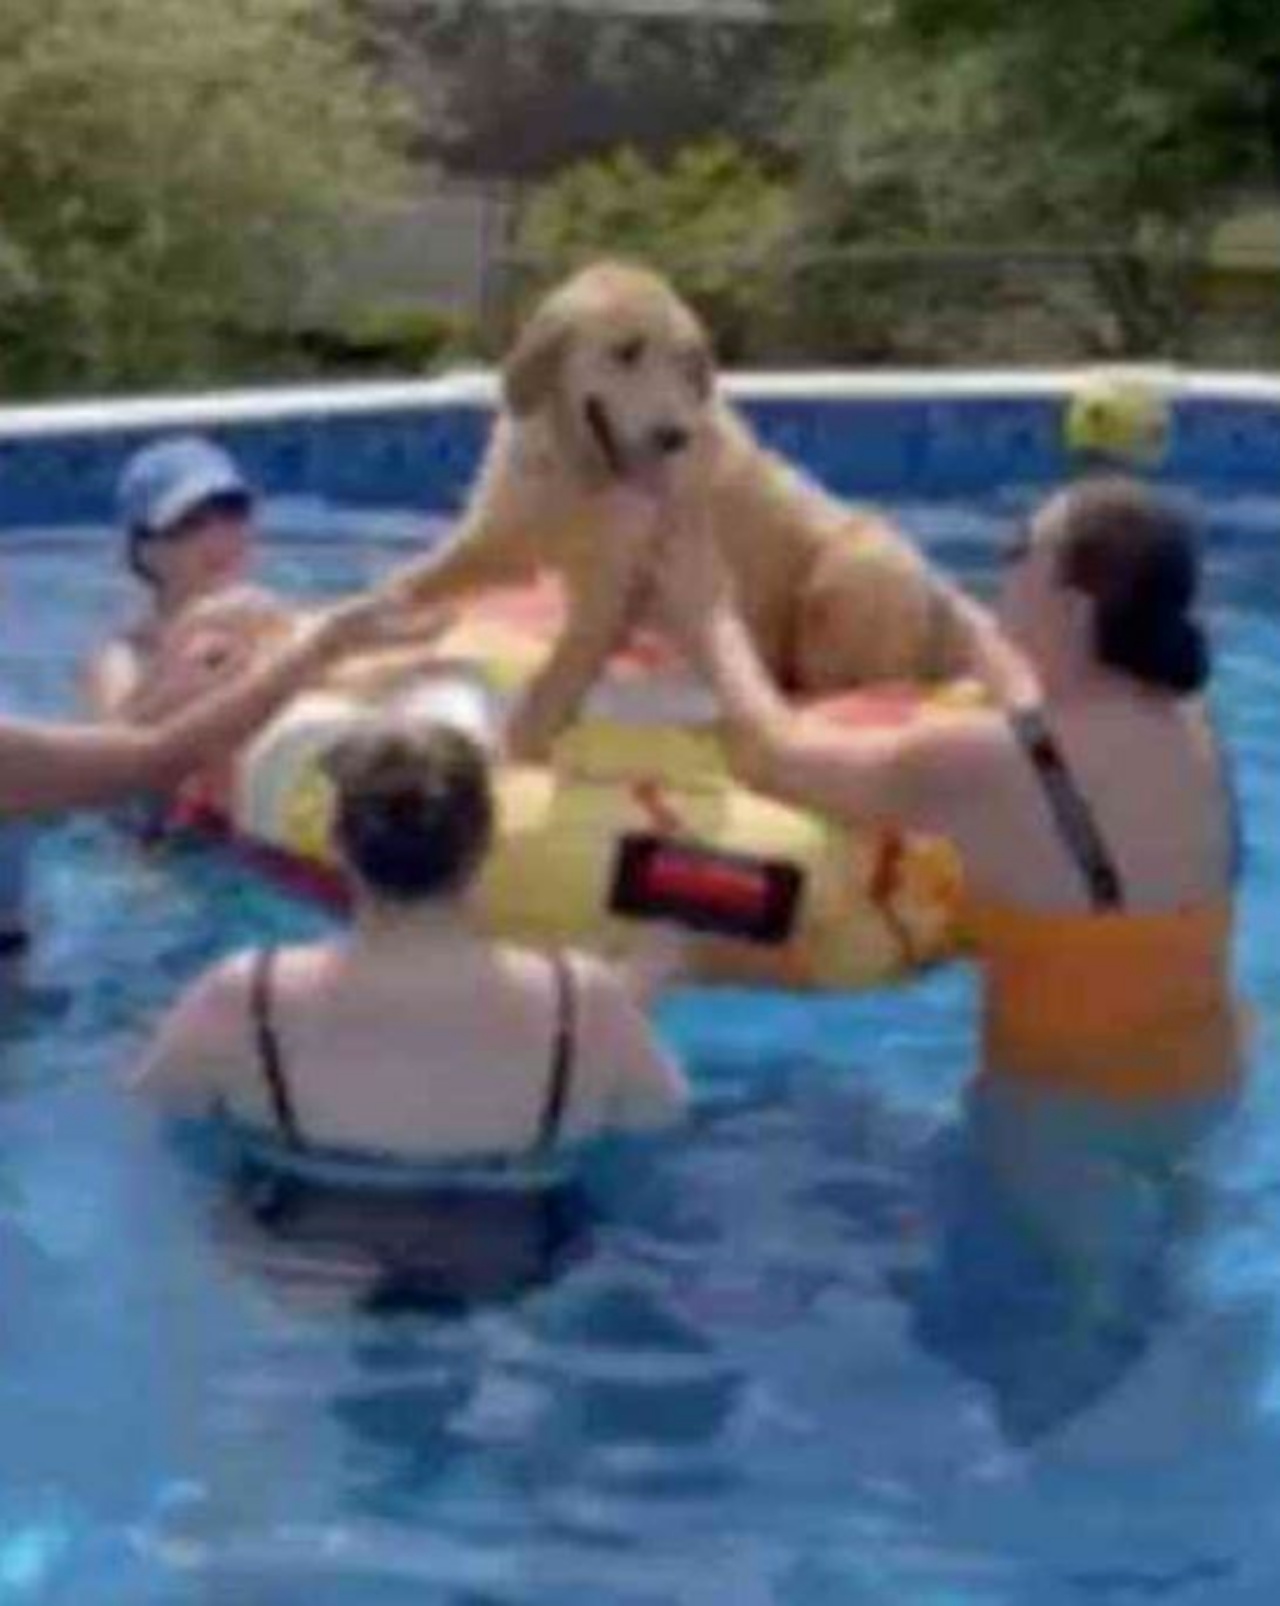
{"type": "Point", "coordinates": [622, 368]}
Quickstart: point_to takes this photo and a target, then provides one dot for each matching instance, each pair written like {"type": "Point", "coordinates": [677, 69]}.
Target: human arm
{"type": "Point", "coordinates": [904, 777]}
{"type": "Point", "coordinates": [46, 767]}
{"type": "Point", "coordinates": [110, 679]}
{"type": "Point", "coordinates": [659, 958]}
{"type": "Point", "coordinates": [991, 657]}
{"type": "Point", "coordinates": [895, 777]}
{"type": "Point", "coordinates": [194, 1051]}
{"type": "Point", "coordinates": [640, 1086]}
{"type": "Point", "coordinates": [206, 645]}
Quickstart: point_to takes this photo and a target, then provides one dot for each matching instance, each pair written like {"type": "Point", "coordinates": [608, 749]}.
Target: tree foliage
{"type": "Point", "coordinates": [167, 170]}
{"type": "Point", "coordinates": [1113, 130]}
{"type": "Point", "coordinates": [715, 218]}
{"type": "Point", "coordinates": [517, 91]}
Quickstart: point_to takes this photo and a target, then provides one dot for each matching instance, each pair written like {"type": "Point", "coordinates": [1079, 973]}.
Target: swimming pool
{"type": "Point", "coordinates": [745, 1391]}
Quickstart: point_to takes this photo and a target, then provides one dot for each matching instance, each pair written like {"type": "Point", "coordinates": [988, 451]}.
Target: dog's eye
{"type": "Point", "coordinates": [629, 353]}
{"type": "Point", "coordinates": [697, 364]}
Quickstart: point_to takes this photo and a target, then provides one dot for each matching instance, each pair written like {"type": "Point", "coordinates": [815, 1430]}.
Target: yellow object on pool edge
{"type": "Point", "coordinates": [633, 818]}
{"type": "Point", "coordinates": [1121, 417]}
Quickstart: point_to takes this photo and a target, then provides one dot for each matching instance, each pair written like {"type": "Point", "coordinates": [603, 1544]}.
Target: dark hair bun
{"type": "Point", "coordinates": [414, 808]}
{"type": "Point", "coordinates": [1163, 649]}
{"type": "Point", "coordinates": [1135, 552]}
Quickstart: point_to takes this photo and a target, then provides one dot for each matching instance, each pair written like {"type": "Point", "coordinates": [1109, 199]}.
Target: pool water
{"type": "Point", "coordinates": [769, 1381]}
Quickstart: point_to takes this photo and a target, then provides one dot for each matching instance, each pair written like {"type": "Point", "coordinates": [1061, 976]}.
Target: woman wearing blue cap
{"type": "Point", "coordinates": [187, 512]}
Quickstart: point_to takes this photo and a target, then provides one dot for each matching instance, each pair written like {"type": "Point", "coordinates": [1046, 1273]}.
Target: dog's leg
{"type": "Point", "coordinates": [505, 535]}
{"type": "Point", "coordinates": [865, 615]}
{"type": "Point", "coordinates": [481, 556]}
{"type": "Point", "coordinates": [599, 623]}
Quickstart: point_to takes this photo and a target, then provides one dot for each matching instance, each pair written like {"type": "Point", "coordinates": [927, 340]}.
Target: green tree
{"type": "Point", "coordinates": [715, 218]}
{"type": "Point", "coordinates": [168, 170]}
{"type": "Point", "coordinates": [1112, 132]}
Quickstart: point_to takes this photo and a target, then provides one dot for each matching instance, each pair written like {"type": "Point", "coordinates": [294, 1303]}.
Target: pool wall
{"type": "Point", "coordinates": [415, 446]}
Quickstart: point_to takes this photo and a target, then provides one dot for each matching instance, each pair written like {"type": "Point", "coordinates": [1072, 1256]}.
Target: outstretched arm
{"type": "Point", "coordinates": [47, 767]}
{"type": "Point", "coordinates": [905, 778]}
{"type": "Point", "coordinates": [109, 679]}
{"type": "Point", "coordinates": [992, 657]}
{"type": "Point", "coordinates": [198, 1046]}
{"type": "Point", "coordinates": [894, 777]}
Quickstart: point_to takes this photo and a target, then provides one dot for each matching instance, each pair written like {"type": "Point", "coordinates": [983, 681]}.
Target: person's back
{"type": "Point", "coordinates": [1107, 966]}
{"type": "Point", "coordinates": [1099, 834]}
{"type": "Point", "coordinates": [414, 1039]}
{"type": "Point", "coordinates": [1152, 774]}
{"type": "Point", "coordinates": [437, 1046]}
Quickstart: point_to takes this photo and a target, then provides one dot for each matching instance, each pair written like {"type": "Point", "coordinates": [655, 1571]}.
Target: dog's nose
{"type": "Point", "coordinates": [670, 439]}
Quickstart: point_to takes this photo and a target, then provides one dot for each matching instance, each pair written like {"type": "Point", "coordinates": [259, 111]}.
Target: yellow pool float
{"type": "Point", "coordinates": [636, 819]}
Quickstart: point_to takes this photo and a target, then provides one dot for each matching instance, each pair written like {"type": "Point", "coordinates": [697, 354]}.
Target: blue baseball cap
{"type": "Point", "coordinates": [164, 482]}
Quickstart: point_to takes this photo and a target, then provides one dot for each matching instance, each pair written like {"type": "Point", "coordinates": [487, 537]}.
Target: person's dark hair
{"type": "Point", "coordinates": [138, 537]}
{"type": "Point", "coordinates": [136, 542]}
{"type": "Point", "coordinates": [414, 813]}
{"type": "Point", "coordinates": [1136, 554]}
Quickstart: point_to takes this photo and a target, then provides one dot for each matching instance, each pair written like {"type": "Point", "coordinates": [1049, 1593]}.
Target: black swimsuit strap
{"type": "Point", "coordinates": [562, 1053]}
{"type": "Point", "coordinates": [270, 1057]}
{"type": "Point", "coordinates": [1071, 813]}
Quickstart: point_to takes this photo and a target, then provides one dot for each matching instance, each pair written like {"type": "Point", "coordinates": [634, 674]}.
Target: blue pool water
{"type": "Point", "coordinates": [766, 1383]}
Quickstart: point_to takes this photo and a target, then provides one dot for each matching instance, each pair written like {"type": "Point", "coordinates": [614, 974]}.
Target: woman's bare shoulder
{"type": "Point", "coordinates": [297, 968]}
{"type": "Point", "coordinates": [954, 749]}
{"type": "Point", "coordinates": [109, 676]}
{"type": "Point", "coordinates": [534, 971]}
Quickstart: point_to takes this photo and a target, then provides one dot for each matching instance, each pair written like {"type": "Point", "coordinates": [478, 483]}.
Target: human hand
{"type": "Point", "coordinates": [225, 629]}
{"type": "Point", "coordinates": [212, 641]}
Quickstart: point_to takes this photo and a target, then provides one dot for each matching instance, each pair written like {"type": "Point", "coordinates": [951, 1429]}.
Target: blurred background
{"type": "Point", "coordinates": [199, 192]}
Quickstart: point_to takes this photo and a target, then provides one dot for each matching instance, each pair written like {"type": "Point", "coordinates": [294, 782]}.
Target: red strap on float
{"type": "Point", "coordinates": [729, 895]}
{"type": "Point", "coordinates": [676, 877]}
{"type": "Point", "coordinates": [197, 806]}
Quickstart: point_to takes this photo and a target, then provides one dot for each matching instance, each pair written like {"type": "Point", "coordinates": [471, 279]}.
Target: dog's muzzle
{"type": "Point", "coordinates": [670, 439]}
{"type": "Point", "coordinates": [662, 443]}
{"type": "Point", "coordinates": [606, 440]}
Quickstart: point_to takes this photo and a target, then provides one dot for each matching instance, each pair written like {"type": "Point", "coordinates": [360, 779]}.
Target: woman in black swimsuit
{"type": "Point", "coordinates": [413, 1038]}
{"type": "Point", "coordinates": [344, 1066]}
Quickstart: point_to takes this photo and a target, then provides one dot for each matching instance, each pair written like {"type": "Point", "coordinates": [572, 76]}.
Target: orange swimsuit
{"type": "Point", "coordinates": [1106, 1002]}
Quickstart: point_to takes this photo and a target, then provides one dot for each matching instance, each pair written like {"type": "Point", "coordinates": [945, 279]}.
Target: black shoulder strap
{"type": "Point", "coordinates": [269, 1056]}
{"type": "Point", "coordinates": [1072, 815]}
{"type": "Point", "coordinates": [562, 1052]}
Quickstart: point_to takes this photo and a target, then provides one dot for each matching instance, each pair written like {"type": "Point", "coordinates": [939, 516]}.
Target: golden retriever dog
{"type": "Point", "coordinates": [612, 383]}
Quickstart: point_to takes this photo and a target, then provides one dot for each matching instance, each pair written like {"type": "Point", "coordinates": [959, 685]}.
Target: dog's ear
{"type": "Point", "coordinates": [530, 371]}
{"type": "Point", "coordinates": [701, 365]}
